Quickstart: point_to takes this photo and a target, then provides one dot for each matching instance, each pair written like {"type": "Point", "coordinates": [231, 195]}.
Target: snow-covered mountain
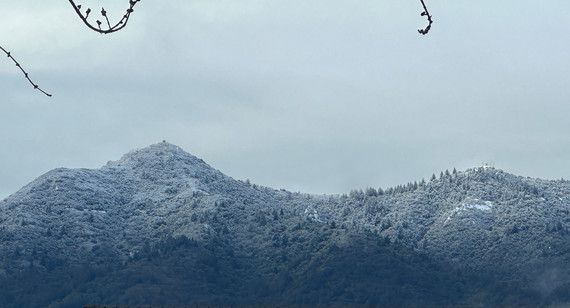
{"type": "Point", "coordinates": [484, 221]}
{"type": "Point", "coordinates": [146, 194]}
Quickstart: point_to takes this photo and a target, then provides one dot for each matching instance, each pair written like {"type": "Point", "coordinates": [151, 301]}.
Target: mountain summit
{"type": "Point", "coordinates": [164, 159]}
{"type": "Point", "coordinates": [162, 227]}
{"type": "Point", "coordinates": [164, 164]}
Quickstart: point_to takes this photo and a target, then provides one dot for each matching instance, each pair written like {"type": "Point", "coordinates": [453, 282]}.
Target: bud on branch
{"type": "Point", "coordinates": [24, 72]}
{"type": "Point", "coordinates": [425, 13]}
{"type": "Point", "coordinates": [110, 29]}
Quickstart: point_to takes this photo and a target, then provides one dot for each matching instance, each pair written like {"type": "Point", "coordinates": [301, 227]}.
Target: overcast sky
{"type": "Point", "coordinates": [317, 96]}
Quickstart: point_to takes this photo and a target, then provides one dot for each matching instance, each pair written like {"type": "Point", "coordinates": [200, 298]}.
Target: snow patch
{"type": "Point", "coordinates": [312, 214]}
{"type": "Point", "coordinates": [471, 204]}
{"type": "Point", "coordinates": [485, 206]}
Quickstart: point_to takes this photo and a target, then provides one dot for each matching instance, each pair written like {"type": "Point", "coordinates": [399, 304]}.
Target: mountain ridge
{"type": "Point", "coordinates": [160, 198]}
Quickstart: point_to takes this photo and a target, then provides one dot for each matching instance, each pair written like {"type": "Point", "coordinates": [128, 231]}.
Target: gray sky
{"type": "Point", "coordinates": [318, 96]}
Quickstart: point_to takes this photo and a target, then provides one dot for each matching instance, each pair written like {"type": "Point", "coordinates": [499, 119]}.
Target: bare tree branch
{"type": "Point", "coordinates": [123, 23]}
{"type": "Point", "coordinates": [425, 13]}
{"type": "Point", "coordinates": [110, 29]}
{"type": "Point", "coordinates": [23, 71]}
{"type": "Point", "coordinates": [118, 26]}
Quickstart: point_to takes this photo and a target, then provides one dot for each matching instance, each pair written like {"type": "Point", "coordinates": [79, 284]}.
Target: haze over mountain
{"type": "Point", "coordinates": [162, 227]}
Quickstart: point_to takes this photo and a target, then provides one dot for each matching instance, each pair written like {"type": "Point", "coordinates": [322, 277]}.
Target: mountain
{"type": "Point", "coordinates": [162, 227]}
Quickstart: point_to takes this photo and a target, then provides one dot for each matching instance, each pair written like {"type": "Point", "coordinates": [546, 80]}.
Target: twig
{"type": "Point", "coordinates": [118, 26]}
{"type": "Point", "coordinates": [425, 13]}
{"type": "Point", "coordinates": [23, 71]}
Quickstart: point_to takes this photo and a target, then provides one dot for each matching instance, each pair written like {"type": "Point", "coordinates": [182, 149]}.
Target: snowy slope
{"type": "Point", "coordinates": [483, 218]}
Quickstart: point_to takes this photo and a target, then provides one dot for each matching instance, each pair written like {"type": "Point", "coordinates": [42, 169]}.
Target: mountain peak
{"type": "Point", "coordinates": [154, 149]}
{"type": "Point", "coordinates": [164, 163]}
{"type": "Point", "coordinates": [156, 154]}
